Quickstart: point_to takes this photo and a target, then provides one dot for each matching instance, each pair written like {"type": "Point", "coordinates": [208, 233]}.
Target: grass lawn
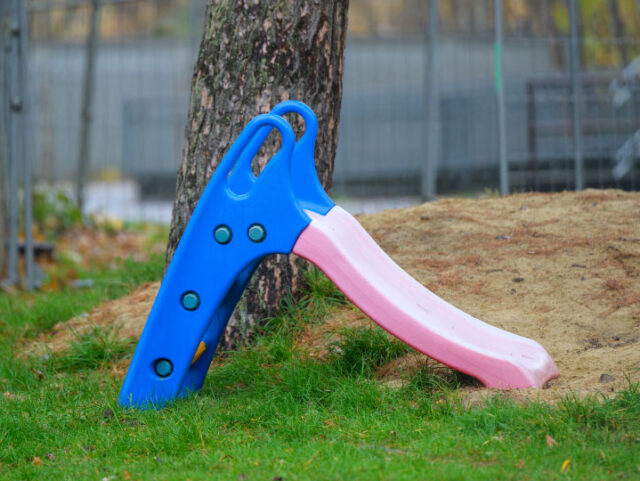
{"type": "Point", "coordinates": [269, 412]}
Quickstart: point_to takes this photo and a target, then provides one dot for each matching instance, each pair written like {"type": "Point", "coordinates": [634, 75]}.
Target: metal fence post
{"type": "Point", "coordinates": [15, 144]}
{"type": "Point", "coordinates": [498, 79]}
{"type": "Point", "coordinates": [21, 16]}
{"type": "Point", "coordinates": [87, 101]}
{"type": "Point", "coordinates": [428, 187]}
{"type": "Point", "coordinates": [576, 95]}
{"type": "Point", "coordinates": [5, 51]}
{"type": "Point", "coordinates": [15, 105]}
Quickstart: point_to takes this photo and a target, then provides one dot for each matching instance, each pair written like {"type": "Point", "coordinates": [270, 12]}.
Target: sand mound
{"type": "Point", "coordinates": [562, 269]}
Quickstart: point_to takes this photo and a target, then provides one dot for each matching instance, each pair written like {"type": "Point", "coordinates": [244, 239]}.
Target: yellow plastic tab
{"type": "Point", "coordinates": [201, 348]}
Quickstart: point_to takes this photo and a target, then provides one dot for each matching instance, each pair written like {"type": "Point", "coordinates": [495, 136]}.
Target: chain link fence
{"type": "Point", "coordinates": [437, 96]}
{"type": "Point", "coordinates": [559, 115]}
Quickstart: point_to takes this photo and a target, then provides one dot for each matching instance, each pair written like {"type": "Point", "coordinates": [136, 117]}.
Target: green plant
{"type": "Point", "coordinates": [431, 377]}
{"type": "Point", "coordinates": [319, 297]}
{"type": "Point", "coordinates": [321, 290]}
{"type": "Point", "coordinates": [93, 348]}
{"type": "Point", "coordinates": [54, 211]}
{"type": "Point", "coordinates": [362, 351]}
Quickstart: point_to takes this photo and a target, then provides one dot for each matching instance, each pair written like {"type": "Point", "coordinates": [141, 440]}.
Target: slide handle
{"type": "Point", "coordinates": [307, 188]}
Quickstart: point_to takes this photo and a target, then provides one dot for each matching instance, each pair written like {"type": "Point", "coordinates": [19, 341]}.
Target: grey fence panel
{"type": "Point", "coordinates": [383, 120]}
{"type": "Point", "coordinates": [129, 76]}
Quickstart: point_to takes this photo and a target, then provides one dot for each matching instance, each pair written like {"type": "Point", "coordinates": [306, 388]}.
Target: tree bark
{"type": "Point", "coordinates": [253, 55]}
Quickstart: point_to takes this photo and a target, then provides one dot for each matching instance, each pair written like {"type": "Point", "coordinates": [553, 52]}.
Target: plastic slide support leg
{"type": "Point", "coordinates": [195, 376]}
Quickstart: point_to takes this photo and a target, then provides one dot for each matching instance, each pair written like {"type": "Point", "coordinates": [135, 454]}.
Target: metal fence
{"type": "Point", "coordinates": [554, 116]}
{"type": "Point", "coordinates": [438, 97]}
{"type": "Point", "coordinates": [16, 160]}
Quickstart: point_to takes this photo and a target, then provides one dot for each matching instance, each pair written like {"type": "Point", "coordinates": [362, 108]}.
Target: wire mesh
{"type": "Point", "coordinates": [144, 60]}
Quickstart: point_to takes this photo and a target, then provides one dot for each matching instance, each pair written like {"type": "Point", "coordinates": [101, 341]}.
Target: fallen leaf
{"type": "Point", "coordinates": [126, 474]}
{"type": "Point", "coordinates": [550, 441]}
{"type": "Point", "coordinates": [565, 466]}
{"type": "Point", "coordinates": [520, 464]}
{"type": "Point", "coordinates": [37, 461]}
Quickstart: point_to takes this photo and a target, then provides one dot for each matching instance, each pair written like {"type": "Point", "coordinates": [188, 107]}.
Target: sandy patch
{"type": "Point", "coordinates": [127, 315]}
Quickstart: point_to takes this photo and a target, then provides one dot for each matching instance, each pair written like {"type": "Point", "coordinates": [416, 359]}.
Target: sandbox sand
{"type": "Point", "coordinates": [563, 269]}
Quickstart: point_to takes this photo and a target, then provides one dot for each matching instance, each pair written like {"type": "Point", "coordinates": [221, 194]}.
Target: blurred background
{"type": "Point", "coordinates": [448, 97]}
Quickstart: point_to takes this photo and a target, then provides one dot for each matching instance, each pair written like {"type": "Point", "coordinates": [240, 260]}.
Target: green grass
{"type": "Point", "coordinates": [90, 350]}
{"type": "Point", "coordinates": [25, 315]}
{"type": "Point", "coordinates": [362, 351]}
{"type": "Point", "coordinates": [270, 412]}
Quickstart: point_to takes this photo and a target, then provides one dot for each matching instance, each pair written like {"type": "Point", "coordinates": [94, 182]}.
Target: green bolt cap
{"type": "Point", "coordinates": [222, 234]}
{"type": "Point", "coordinates": [163, 367]}
{"type": "Point", "coordinates": [257, 233]}
{"type": "Point", "coordinates": [190, 301]}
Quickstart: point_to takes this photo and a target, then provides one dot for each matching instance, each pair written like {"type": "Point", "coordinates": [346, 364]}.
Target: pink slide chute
{"type": "Point", "coordinates": [338, 245]}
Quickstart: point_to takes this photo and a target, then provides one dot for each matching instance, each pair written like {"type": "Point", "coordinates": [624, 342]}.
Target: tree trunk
{"type": "Point", "coordinates": [253, 55]}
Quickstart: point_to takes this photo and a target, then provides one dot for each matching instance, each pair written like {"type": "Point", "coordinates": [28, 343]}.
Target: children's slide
{"type": "Point", "coordinates": [241, 218]}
